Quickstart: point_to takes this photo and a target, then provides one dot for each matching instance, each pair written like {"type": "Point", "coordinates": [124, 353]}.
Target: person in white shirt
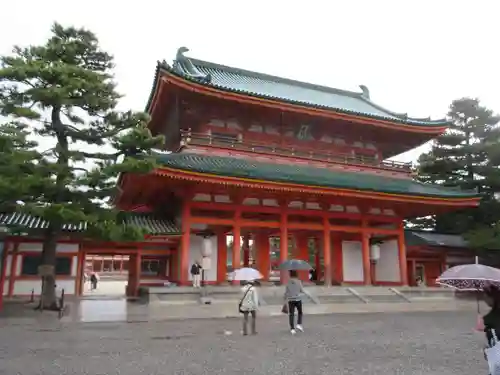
{"type": "Point", "coordinates": [248, 306]}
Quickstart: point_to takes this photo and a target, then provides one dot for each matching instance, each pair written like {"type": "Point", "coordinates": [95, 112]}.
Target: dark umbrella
{"type": "Point", "coordinates": [295, 264]}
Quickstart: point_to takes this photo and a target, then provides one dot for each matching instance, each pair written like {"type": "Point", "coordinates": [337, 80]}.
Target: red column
{"type": "Point", "coordinates": [327, 251]}
{"type": "Point", "coordinates": [283, 244]}
{"type": "Point", "coordinates": [263, 254]}
{"type": "Point", "coordinates": [365, 249]}
{"type": "Point", "coordinates": [403, 265]}
{"type": "Point", "coordinates": [246, 250]}
{"type": "Point", "coordinates": [3, 272]}
{"type": "Point", "coordinates": [80, 272]}
{"type": "Point", "coordinates": [138, 264]}
{"type": "Point", "coordinates": [236, 246]}
{"type": "Point", "coordinates": [13, 268]}
{"type": "Point", "coordinates": [185, 244]}
{"type": "Point", "coordinates": [221, 257]}
{"type": "Point", "coordinates": [303, 253]}
{"type": "Point", "coordinates": [338, 259]}
{"type": "Point", "coordinates": [318, 243]}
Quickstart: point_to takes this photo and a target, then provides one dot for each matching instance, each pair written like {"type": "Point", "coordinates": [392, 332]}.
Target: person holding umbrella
{"type": "Point", "coordinates": [479, 277]}
{"type": "Point", "coordinates": [293, 293]}
{"type": "Point", "coordinates": [249, 302]}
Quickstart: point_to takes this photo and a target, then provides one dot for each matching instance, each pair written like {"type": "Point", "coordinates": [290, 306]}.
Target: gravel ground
{"type": "Point", "coordinates": [410, 343]}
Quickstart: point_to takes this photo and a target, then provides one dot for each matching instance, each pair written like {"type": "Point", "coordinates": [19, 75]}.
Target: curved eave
{"type": "Point", "coordinates": [165, 73]}
{"type": "Point", "coordinates": [180, 174]}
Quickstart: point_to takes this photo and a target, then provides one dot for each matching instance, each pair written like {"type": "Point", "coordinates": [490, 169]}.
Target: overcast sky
{"type": "Point", "coordinates": [414, 56]}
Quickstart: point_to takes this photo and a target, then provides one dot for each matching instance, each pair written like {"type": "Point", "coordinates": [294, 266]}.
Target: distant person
{"type": "Point", "coordinates": [293, 296]}
{"type": "Point", "coordinates": [249, 304]}
{"type": "Point", "coordinates": [196, 274]}
{"type": "Point", "coordinates": [93, 281]}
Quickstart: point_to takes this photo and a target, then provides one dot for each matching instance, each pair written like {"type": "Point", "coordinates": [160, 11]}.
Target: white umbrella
{"type": "Point", "coordinates": [470, 277]}
{"type": "Point", "coordinates": [246, 274]}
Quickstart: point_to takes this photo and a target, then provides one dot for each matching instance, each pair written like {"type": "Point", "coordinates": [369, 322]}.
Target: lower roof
{"type": "Point", "coordinates": [148, 222]}
{"type": "Point", "coordinates": [427, 238]}
{"type": "Point", "coordinates": [305, 175]}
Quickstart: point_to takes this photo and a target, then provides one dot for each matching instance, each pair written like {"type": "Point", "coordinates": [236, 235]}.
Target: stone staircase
{"type": "Point", "coordinates": [321, 295]}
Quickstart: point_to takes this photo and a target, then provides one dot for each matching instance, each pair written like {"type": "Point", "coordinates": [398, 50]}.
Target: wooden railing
{"type": "Point", "coordinates": [237, 143]}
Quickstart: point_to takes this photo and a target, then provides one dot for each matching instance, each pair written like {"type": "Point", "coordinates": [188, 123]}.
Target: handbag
{"type": "Point", "coordinates": [284, 308]}
{"type": "Point", "coordinates": [493, 354]}
{"type": "Point", "coordinates": [241, 302]}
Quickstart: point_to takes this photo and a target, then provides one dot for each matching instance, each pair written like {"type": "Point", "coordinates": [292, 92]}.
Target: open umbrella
{"type": "Point", "coordinates": [470, 277]}
{"type": "Point", "coordinates": [295, 264]}
{"type": "Point", "coordinates": [247, 274]}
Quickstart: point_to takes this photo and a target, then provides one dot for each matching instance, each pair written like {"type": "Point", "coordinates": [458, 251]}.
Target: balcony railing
{"type": "Point", "coordinates": [236, 143]}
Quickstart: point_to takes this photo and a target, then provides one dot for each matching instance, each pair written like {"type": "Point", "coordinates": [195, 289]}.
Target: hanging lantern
{"type": "Point", "coordinates": [206, 247]}
{"type": "Point", "coordinates": [374, 253]}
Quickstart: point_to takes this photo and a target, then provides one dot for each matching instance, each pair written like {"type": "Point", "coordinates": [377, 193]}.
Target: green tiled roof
{"type": "Point", "coordinates": [304, 175]}
{"type": "Point", "coordinates": [287, 90]}
{"type": "Point", "coordinates": [151, 224]}
{"type": "Point", "coordinates": [422, 238]}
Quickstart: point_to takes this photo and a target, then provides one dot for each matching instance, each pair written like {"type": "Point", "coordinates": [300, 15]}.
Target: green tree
{"type": "Point", "coordinates": [64, 92]}
{"type": "Point", "coordinates": [17, 165]}
{"type": "Point", "coordinates": [460, 159]}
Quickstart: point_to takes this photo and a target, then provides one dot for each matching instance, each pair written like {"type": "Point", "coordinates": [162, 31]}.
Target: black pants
{"type": "Point", "coordinates": [245, 321]}
{"type": "Point", "coordinates": [292, 305]}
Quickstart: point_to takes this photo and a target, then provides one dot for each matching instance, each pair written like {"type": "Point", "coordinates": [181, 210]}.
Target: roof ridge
{"type": "Point", "coordinates": [277, 79]}
{"type": "Point", "coordinates": [363, 95]}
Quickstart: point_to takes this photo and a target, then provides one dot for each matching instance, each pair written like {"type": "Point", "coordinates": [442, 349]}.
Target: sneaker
{"type": "Point", "coordinates": [293, 332]}
{"type": "Point", "coordinates": [300, 328]}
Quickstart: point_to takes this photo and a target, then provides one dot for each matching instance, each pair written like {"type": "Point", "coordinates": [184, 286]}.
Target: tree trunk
{"type": "Point", "coordinates": [49, 255]}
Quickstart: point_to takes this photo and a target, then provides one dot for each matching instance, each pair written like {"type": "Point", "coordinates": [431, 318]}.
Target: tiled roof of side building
{"type": "Point", "coordinates": [304, 175]}
{"type": "Point", "coordinates": [428, 238]}
{"type": "Point", "coordinates": [151, 224]}
{"type": "Point", "coordinates": [287, 90]}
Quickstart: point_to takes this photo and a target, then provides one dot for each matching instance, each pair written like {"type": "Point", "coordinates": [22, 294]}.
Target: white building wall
{"type": "Point", "coordinates": [352, 261]}
{"type": "Point", "coordinates": [387, 267]}
{"type": "Point", "coordinates": [195, 244]}
{"type": "Point", "coordinates": [25, 286]}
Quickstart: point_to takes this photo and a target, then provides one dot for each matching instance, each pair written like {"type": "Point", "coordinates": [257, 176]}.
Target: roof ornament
{"type": "Point", "coordinates": [183, 65]}
{"type": "Point", "coordinates": [365, 92]}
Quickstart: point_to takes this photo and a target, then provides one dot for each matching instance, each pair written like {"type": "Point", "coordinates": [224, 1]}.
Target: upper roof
{"type": "Point", "coordinates": [286, 90]}
{"type": "Point", "coordinates": [152, 225]}
{"type": "Point", "coordinates": [305, 175]}
{"type": "Point", "coordinates": [423, 238]}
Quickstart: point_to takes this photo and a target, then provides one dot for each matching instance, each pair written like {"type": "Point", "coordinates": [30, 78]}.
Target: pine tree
{"type": "Point", "coordinates": [460, 159]}
{"type": "Point", "coordinates": [63, 90]}
{"type": "Point", "coordinates": [17, 166]}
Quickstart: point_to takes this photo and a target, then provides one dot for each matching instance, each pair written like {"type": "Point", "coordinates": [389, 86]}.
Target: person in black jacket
{"type": "Point", "coordinates": [196, 274]}
{"type": "Point", "coordinates": [492, 319]}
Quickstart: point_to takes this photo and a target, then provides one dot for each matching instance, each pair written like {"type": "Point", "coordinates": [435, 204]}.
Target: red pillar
{"type": "Point", "coordinates": [13, 268]}
{"type": "Point", "coordinates": [263, 254]}
{"type": "Point", "coordinates": [327, 251]}
{"type": "Point", "coordinates": [403, 265]}
{"type": "Point", "coordinates": [303, 253]}
{"type": "Point", "coordinates": [283, 244]}
{"type": "Point", "coordinates": [185, 243]}
{"type": "Point", "coordinates": [3, 272]}
{"type": "Point", "coordinates": [138, 264]}
{"type": "Point", "coordinates": [338, 259]}
{"type": "Point", "coordinates": [246, 250]}
{"type": "Point", "coordinates": [365, 249]}
{"type": "Point", "coordinates": [236, 246]}
{"type": "Point", "coordinates": [221, 257]}
{"type": "Point", "coordinates": [317, 258]}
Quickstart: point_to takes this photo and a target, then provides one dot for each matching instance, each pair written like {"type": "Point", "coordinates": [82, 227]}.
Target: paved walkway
{"type": "Point", "coordinates": [435, 343]}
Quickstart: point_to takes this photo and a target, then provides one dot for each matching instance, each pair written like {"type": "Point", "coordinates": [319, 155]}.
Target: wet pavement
{"type": "Point", "coordinates": [387, 343]}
